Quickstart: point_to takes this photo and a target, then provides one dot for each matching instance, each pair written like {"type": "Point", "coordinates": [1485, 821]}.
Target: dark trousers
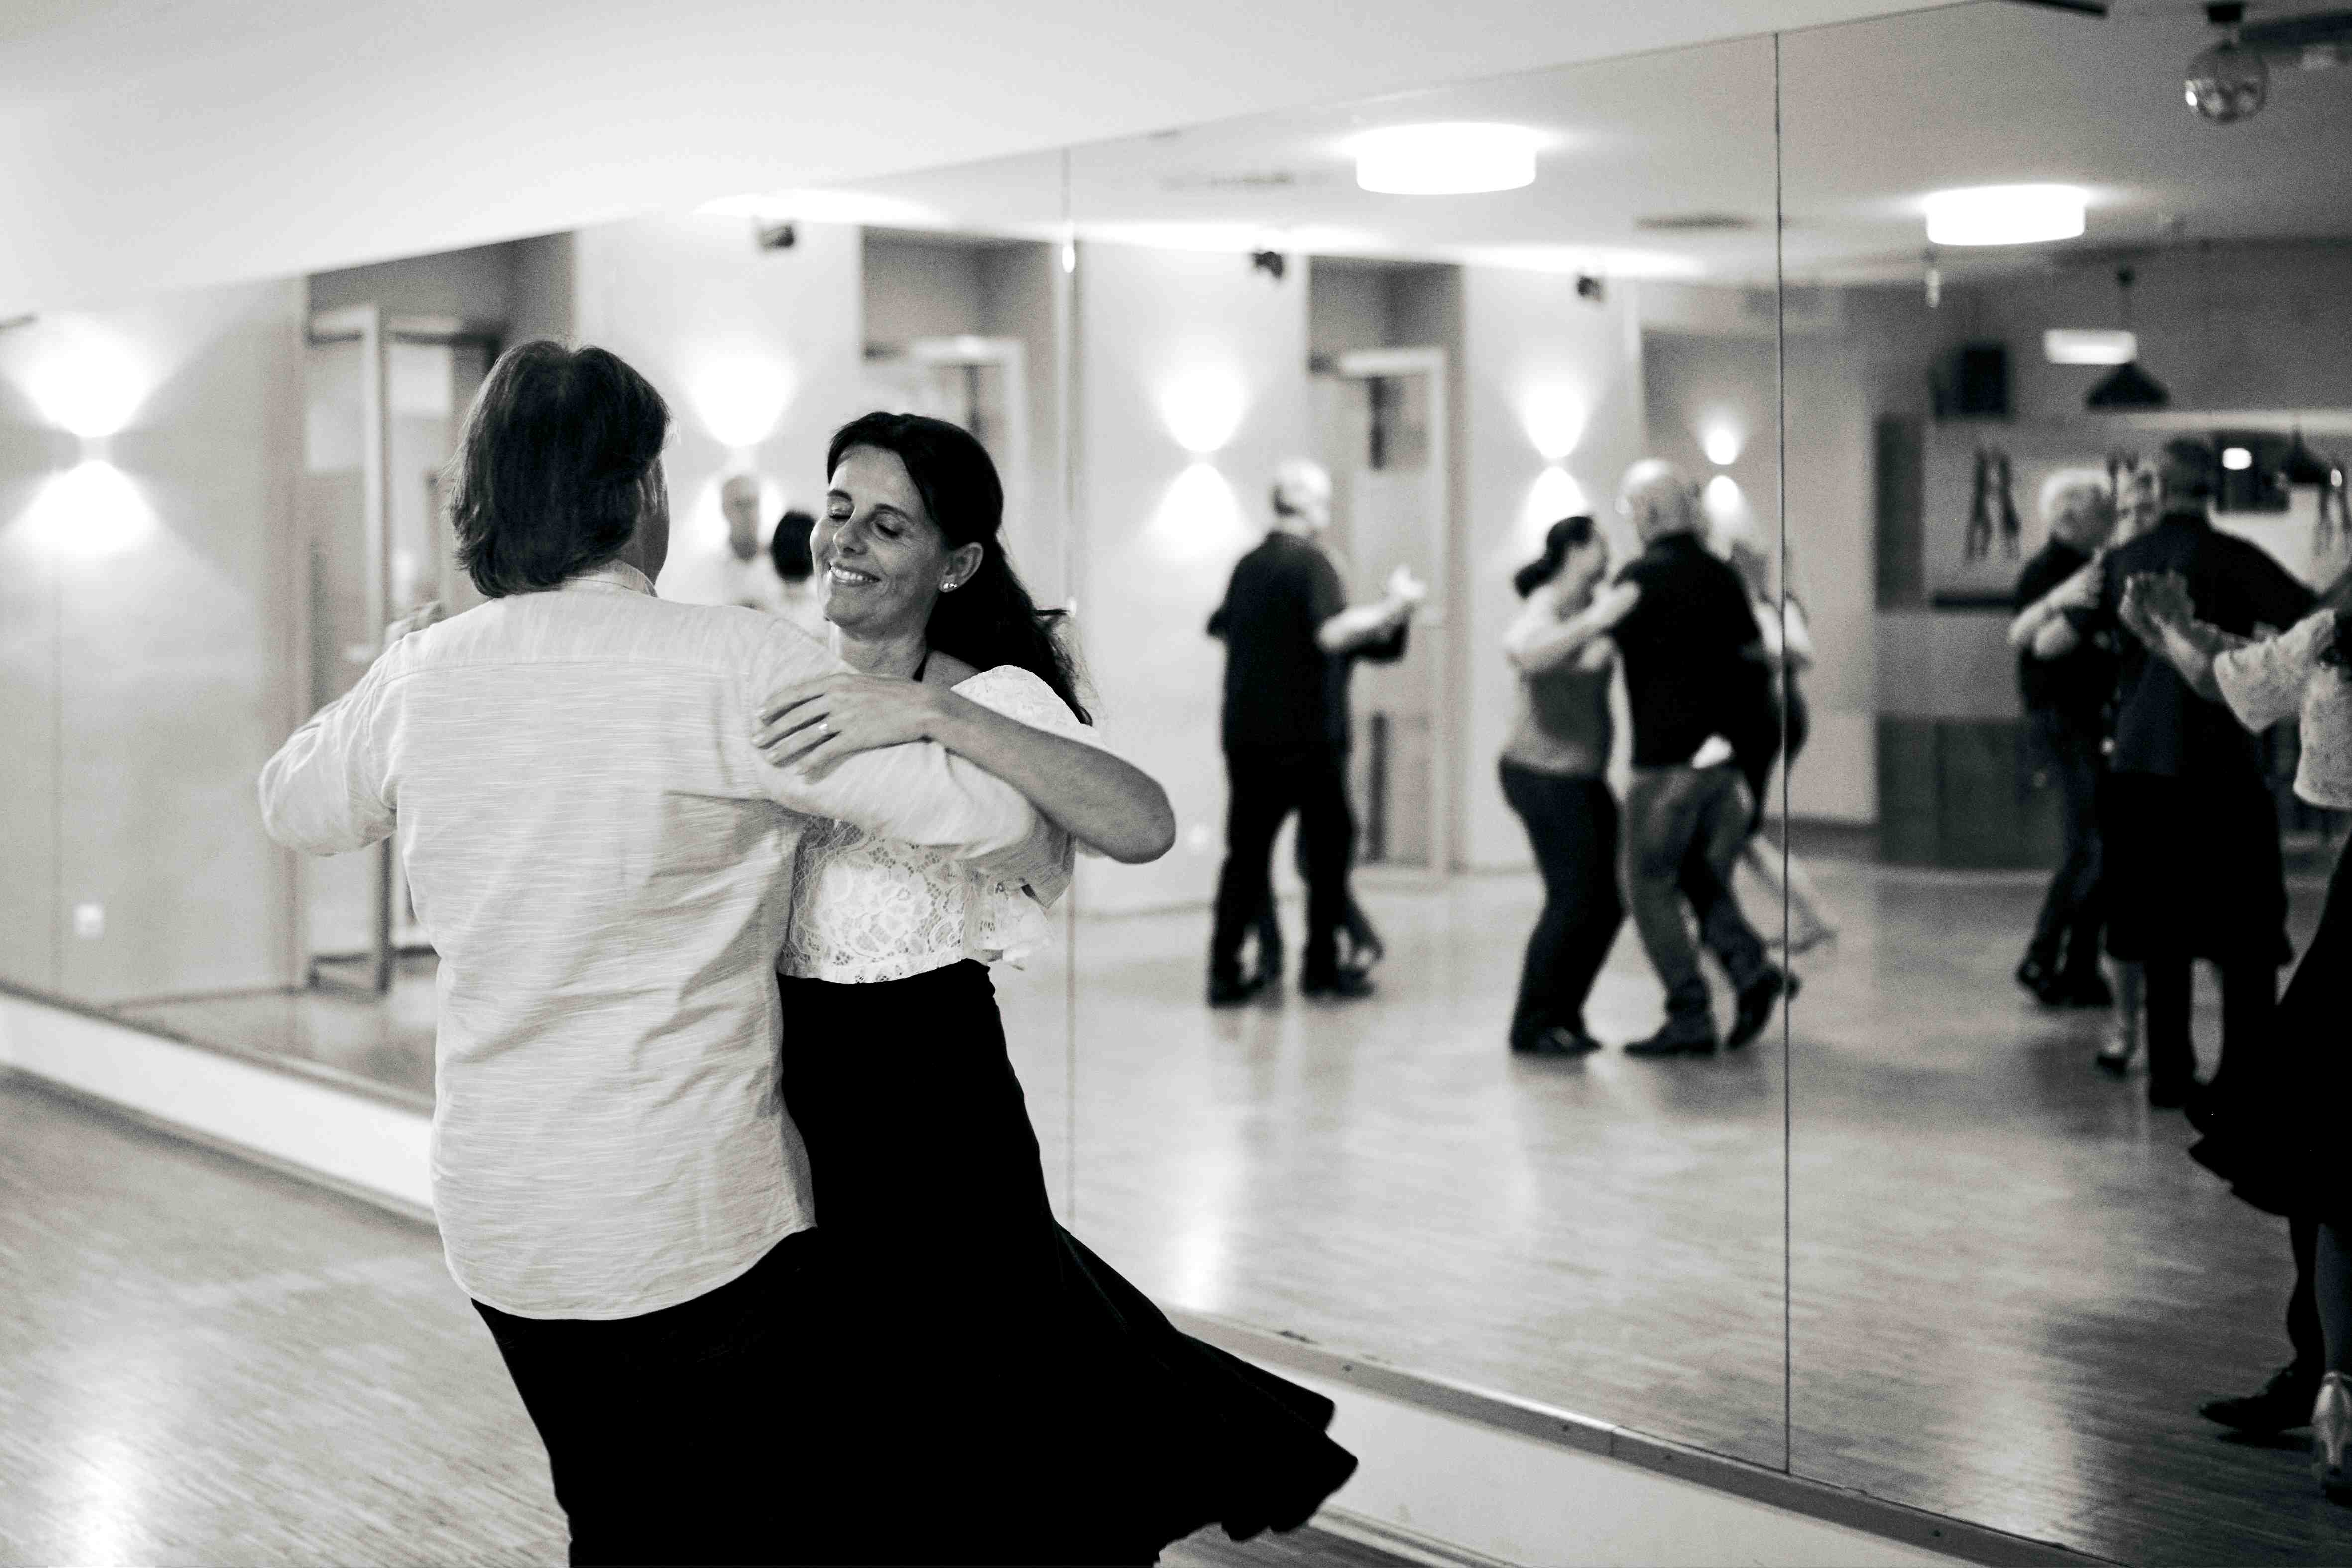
{"type": "Point", "coordinates": [693, 1434]}
{"type": "Point", "coordinates": [1264, 791]}
{"type": "Point", "coordinates": [1572, 823]}
{"type": "Point", "coordinates": [1670, 811]}
{"type": "Point", "coordinates": [2249, 1007]}
{"type": "Point", "coordinates": [2303, 1330]}
{"type": "Point", "coordinates": [2068, 931]}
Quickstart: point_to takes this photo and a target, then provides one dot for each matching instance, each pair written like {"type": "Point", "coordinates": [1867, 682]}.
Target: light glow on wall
{"type": "Point", "coordinates": [2237, 459]}
{"type": "Point", "coordinates": [1200, 517]}
{"type": "Point", "coordinates": [1723, 501]}
{"type": "Point", "coordinates": [741, 397]}
{"type": "Point", "coordinates": [1445, 160]}
{"type": "Point", "coordinates": [1554, 494]}
{"type": "Point", "coordinates": [87, 383]}
{"type": "Point", "coordinates": [1722, 442]}
{"type": "Point", "coordinates": [2005, 214]}
{"type": "Point", "coordinates": [1554, 419]}
{"type": "Point", "coordinates": [1203, 409]}
{"type": "Point", "coordinates": [92, 509]}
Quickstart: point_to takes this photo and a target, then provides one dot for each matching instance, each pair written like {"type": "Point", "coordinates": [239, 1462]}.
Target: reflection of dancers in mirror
{"type": "Point", "coordinates": [1787, 650]}
{"type": "Point", "coordinates": [2278, 1141]}
{"type": "Point", "coordinates": [1554, 771]}
{"type": "Point", "coordinates": [1108, 1433]}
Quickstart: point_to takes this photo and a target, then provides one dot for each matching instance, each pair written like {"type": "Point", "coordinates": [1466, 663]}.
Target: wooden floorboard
{"type": "Point", "coordinates": [203, 1363]}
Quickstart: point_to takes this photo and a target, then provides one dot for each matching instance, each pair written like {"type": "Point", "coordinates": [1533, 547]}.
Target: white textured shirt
{"type": "Point", "coordinates": [604, 861]}
{"type": "Point", "coordinates": [2280, 678]}
{"type": "Point", "coordinates": [868, 908]}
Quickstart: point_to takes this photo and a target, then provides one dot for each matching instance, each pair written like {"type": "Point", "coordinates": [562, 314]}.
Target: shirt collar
{"type": "Point", "coordinates": [617, 574]}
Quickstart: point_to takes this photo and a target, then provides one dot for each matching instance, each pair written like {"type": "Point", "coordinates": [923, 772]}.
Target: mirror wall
{"type": "Point", "coordinates": [2012, 1287]}
{"type": "Point", "coordinates": [1910, 1240]}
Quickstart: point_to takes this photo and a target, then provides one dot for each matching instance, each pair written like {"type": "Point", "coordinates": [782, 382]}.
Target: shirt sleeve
{"type": "Point", "coordinates": [2264, 681]}
{"type": "Point", "coordinates": [919, 793]}
{"type": "Point", "coordinates": [1042, 862]}
{"type": "Point", "coordinates": [327, 790]}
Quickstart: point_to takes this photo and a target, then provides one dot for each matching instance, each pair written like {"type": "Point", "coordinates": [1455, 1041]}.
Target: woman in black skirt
{"type": "Point", "coordinates": [2279, 1138]}
{"type": "Point", "coordinates": [1016, 1400]}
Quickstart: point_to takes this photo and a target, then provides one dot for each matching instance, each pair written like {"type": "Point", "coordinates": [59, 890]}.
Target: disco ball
{"type": "Point", "coordinates": [2228, 83]}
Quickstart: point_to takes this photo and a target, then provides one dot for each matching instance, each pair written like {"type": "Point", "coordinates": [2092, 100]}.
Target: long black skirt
{"type": "Point", "coordinates": [2278, 1141]}
{"type": "Point", "coordinates": [1013, 1398]}
{"type": "Point", "coordinates": [2192, 867]}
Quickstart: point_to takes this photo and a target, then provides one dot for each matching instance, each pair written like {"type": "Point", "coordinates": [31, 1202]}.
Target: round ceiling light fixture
{"type": "Point", "coordinates": [2228, 82]}
{"type": "Point", "coordinates": [1446, 160]}
{"type": "Point", "coordinates": [2005, 214]}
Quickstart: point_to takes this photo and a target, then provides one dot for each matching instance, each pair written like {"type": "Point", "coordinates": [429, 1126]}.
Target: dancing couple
{"type": "Point", "coordinates": [1702, 678]}
{"type": "Point", "coordinates": [727, 1148]}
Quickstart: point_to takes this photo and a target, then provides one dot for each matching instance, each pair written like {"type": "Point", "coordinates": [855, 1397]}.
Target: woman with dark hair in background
{"type": "Point", "coordinates": [1554, 770]}
{"type": "Point", "coordinates": [788, 548]}
{"type": "Point", "coordinates": [2279, 1139]}
{"type": "Point", "coordinates": [1092, 1429]}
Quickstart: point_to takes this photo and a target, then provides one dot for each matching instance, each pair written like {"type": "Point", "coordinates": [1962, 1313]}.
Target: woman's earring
{"type": "Point", "coordinates": [946, 588]}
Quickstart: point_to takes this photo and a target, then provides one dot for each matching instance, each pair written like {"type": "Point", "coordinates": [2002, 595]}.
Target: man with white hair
{"type": "Point", "coordinates": [2066, 700]}
{"type": "Point", "coordinates": [1691, 653]}
{"type": "Point", "coordinates": [1288, 634]}
{"type": "Point", "coordinates": [738, 572]}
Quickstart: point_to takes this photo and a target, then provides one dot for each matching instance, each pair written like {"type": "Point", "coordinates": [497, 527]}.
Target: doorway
{"type": "Point", "coordinates": [1381, 416]}
{"type": "Point", "coordinates": [384, 400]}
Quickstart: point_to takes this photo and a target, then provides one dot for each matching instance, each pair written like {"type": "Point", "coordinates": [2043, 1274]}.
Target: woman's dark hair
{"type": "Point", "coordinates": [990, 620]}
{"type": "Point", "coordinates": [1567, 534]}
{"type": "Point", "coordinates": [550, 480]}
{"type": "Point", "coordinates": [789, 546]}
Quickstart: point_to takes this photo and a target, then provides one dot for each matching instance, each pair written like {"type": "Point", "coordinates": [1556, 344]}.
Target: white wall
{"type": "Point", "coordinates": [1529, 343]}
{"type": "Point", "coordinates": [170, 668]}
{"type": "Point", "coordinates": [759, 353]}
{"type": "Point", "coordinates": [1162, 529]}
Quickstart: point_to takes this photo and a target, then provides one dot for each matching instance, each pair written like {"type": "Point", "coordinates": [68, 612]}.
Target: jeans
{"type": "Point", "coordinates": [2072, 911]}
{"type": "Point", "coordinates": [693, 1434]}
{"type": "Point", "coordinates": [1572, 823]}
{"type": "Point", "coordinates": [1264, 789]}
{"type": "Point", "coordinates": [1668, 810]}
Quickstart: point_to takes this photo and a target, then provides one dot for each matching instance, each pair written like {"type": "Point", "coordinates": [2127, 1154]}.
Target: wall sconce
{"type": "Point", "coordinates": [1722, 442]}
{"type": "Point", "coordinates": [92, 509]}
{"type": "Point", "coordinates": [1204, 409]}
{"type": "Point", "coordinates": [742, 399]}
{"type": "Point", "coordinates": [1554, 420]}
{"type": "Point", "coordinates": [1269, 262]}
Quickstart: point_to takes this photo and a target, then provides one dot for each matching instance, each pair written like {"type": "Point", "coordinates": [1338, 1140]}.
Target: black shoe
{"type": "Point", "coordinates": [2037, 977]}
{"type": "Point", "coordinates": [1756, 1001]}
{"type": "Point", "coordinates": [2083, 991]}
{"type": "Point", "coordinates": [1556, 1040]}
{"type": "Point", "coordinates": [2113, 1060]}
{"type": "Point", "coordinates": [1232, 990]}
{"type": "Point", "coordinates": [1689, 1035]}
{"type": "Point", "coordinates": [2284, 1403]}
{"type": "Point", "coordinates": [1342, 985]}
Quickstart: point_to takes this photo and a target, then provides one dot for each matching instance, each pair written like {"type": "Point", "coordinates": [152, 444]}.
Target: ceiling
{"type": "Point", "coordinates": [1663, 164]}
{"type": "Point", "coordinates": [148, 144]}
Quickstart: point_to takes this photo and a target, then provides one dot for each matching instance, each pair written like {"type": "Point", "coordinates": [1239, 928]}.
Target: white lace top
{"type": "Point", "coordinates": [868, 908]}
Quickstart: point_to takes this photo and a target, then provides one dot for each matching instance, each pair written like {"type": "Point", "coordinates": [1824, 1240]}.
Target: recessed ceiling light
{"type": "Point", "coordinates": [1450, 160]}
{"type": "Point", "coordinates": [2237, 459]}
{"type": "Point", "coordinates": [2089, 346]}
{"type": "Point", "coordinates": [2005, 214]}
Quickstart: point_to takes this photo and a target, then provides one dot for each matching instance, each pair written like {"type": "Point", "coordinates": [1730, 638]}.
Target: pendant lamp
{"type": "Point", "coordinates": [2126, 387]}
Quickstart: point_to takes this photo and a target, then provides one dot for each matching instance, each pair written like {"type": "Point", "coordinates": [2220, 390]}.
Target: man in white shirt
{"type": "Point", "coordinates": [604, 859]}
{"type": "Point", "coordinates": [736, 570]}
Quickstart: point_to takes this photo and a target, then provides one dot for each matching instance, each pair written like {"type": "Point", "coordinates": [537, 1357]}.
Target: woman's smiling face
{"type": "Point", "coordinates": [881, 560]}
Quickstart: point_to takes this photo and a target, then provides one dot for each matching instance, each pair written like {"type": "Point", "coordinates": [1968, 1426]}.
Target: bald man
{"type": "Point", "coordinates": [740, 572]}
{"type": "Point", "coordinates": [1691, 656]}
{"type": "Point", "coordinates": [1288, 633]}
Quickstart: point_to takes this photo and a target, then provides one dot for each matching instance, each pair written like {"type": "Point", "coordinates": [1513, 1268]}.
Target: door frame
{"type": "Point", "coordinates": [1434, 621]}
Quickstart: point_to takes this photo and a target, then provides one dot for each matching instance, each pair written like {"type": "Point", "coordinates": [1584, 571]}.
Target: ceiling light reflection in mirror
{"type": "Point", "coordinates": [2005, 214]}
{"type": "Point", "coordinates": [1446, 160]}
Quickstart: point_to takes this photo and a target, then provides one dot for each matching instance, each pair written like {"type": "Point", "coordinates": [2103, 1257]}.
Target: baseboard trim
{"type": "Point", "coordinates": [1398, 1541]}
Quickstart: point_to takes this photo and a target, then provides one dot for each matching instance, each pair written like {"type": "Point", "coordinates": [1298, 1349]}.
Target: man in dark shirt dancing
{"type": "Point", "coordinates": [1288, 633]}
{"type": "Point", "coordinates": [1690, 645]}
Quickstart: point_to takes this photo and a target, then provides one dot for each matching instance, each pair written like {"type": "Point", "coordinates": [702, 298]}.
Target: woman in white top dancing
{"type": "Point", "coordinates": [1062, 1419]}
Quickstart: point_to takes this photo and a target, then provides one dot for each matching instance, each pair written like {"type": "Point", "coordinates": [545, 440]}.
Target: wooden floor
{"type": "Point", "coordinates": [201, 1362]}
{"type": "Point", "coordinates": [2006, 1288]}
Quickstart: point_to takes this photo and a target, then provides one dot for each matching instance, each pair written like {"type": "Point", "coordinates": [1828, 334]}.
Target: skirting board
{"type": "Point", "coordinates": [1449, 1475]}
